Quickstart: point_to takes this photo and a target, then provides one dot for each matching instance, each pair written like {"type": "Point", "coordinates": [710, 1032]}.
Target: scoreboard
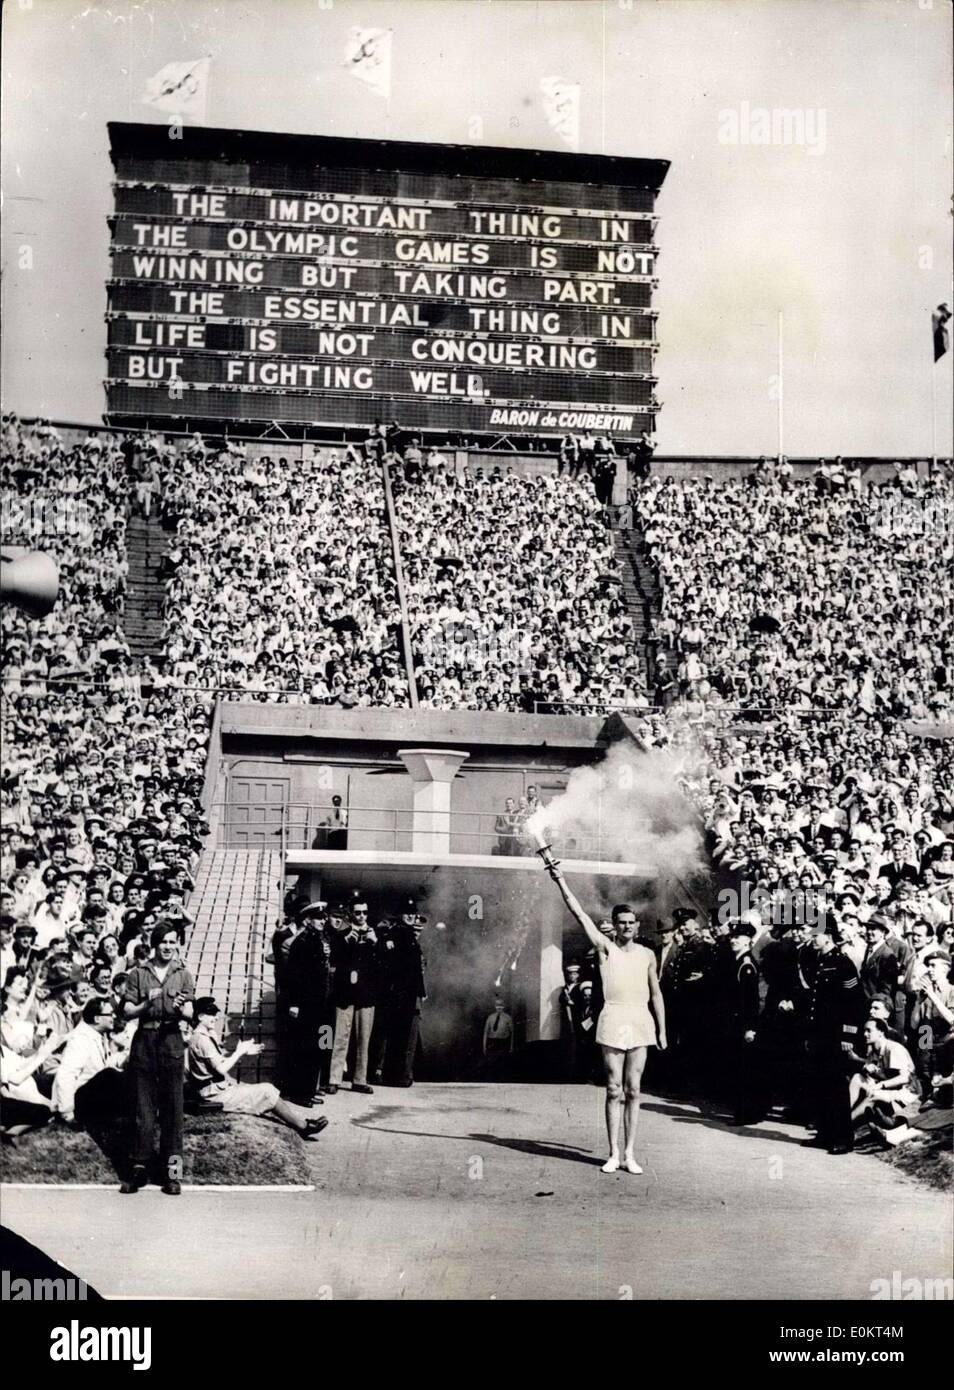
{"type": "Point", "coordinates": [322, 282]}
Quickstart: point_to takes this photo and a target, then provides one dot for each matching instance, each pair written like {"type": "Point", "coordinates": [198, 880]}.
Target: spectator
{"type": "Point", "coordinates": [493, 632]}
{"type": "Point", "coordinates": [505, 828]}
{"type": "Point", "coordinates": [88, 1087]}
{"type": "Point", "coordinates": [498, 1032]}
{"type": "Point", "coordinates": [886, 1084]}
{"type": "Point", "coordinates": [210, 1075]}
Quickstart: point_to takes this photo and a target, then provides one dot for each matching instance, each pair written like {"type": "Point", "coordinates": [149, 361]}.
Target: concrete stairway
{"type": "Point", "coordinates": [637, 595]}
{"type": "Point", "coordinates": [237, 905]}
{"type": "Point", "coordinates": [146, 543]}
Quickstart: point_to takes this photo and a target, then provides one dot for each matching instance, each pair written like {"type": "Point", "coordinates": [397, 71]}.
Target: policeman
{"type": "Point", "coordinates": [744, 1052]}
{"type": "Point", "coordinates": [306, 991]}
{"type": "Point", "coordinates": [687, 983]}
{"type": "Point", "coordinates": [282, 940]}
{"type": "Point", "coordinates": [782, 1032]}
{"type": "Point", "coordinates": [403, 992]}
{"type": "Point", "coordinates": [834, 1014]}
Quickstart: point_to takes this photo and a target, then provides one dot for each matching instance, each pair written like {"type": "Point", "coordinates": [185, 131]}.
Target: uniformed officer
{"type": "Point", "coordinates": [282, 940]}
{"type": "Point", "coordinates": [835, 1011]}
{"type": "Point", "coordinates": [686, 985]}
{"type": "Point", "coordinates": [781, 1033]}
{"type": "Point", "coordinates": [159, 993]}
{"type": "Point", "coordinates": [306, 993]}
{"type": "Point", "coordinates": [744, 1054]}
{"type": "Point", "coordinates": [403, 992]}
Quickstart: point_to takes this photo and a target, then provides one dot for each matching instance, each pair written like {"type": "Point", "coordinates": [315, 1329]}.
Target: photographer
{"type": "Point", "coordinates": [357, 959]}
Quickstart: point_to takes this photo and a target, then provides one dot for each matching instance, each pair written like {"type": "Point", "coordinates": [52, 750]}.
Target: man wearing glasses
{"type": "Point", "coordinates": [357, 960]}
{"type": "Point", "coordinates": [88, 1085]}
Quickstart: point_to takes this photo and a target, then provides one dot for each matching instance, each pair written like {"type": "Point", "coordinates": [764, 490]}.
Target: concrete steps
{"type": "Point", "coordinates": [640, 592]}
{"type": "Point", "coordinates": [237, 905]}
{"type": "Point", "coordinates": [143, 624]}
{"type": "Point", "coordinates": [633, 599]}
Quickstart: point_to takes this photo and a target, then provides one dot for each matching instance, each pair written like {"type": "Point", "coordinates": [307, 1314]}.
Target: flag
{"type": "Point", "coordinates": [561, 106]}
{"type": "Point", "coordinates": [942, 341]}
{"type": "Point", "coordinates": [368, 58]}
{"type": "Point", "coordinates": [182, 89]}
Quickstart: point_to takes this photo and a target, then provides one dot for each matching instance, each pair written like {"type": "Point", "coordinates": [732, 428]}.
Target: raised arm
{"type": "Point", "coordinates": [586, 922]}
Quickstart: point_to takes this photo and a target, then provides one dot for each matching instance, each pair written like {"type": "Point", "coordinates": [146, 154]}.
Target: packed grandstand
{"type": "Point", "coordinates": [796, 653]}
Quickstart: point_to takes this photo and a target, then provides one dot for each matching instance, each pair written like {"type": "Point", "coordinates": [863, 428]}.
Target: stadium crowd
{"type": "Point", "coordinates": [806, 594]}
{"type": "Point", "coordinates": [804, 643]}
{"type": "Point", "coordinates": [101, 773]}
{"type": "Point", "coordinates": [300, 603]}
{"type": "Point", "coordinates": [514, 593]}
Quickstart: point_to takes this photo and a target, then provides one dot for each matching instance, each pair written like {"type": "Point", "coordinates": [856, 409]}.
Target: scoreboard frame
{"type": "Point", "coordinates": [231, 250]}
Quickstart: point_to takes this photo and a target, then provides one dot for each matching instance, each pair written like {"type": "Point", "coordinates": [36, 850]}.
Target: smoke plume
{"type": "Point", "coordinates": [628, 808]}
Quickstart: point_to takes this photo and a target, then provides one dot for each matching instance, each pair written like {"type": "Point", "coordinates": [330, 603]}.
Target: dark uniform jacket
{"type": "Point", "coordinates": [836, 1002]}
{"type": "Point", "coordinates": [779, 966]}
{"type": "Point", "coordinates": [403, 969]}
{"type": "Point", "coordinates": [358, 971]}
{"type": "Point", "coordinates": [744, 999]}
{"type": "Point", "coordinates": [688, 958]}
{"type": "Point", "coordinates": [307, 976]}
{"type": "Point", "coordinates": [282, 941]}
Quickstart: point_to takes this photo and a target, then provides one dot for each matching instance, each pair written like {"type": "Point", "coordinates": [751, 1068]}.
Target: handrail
{"type": "Point", "coordinates": [295, 825]}
{"type": "Point", "coordinates": [399, 583]}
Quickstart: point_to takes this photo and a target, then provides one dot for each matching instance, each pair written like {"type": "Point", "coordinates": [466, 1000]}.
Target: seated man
{"type": "Point", "coordinates": [933, 1116]}
{"type": "Point", "coordinates": [208, 1072]}
{"type": "Point", "coordinates": [88, 1085]}
{"type": "Point", "coordinates": [887, 1084]}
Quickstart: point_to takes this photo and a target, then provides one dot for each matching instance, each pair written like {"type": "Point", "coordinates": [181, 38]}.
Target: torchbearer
{"type": "Point", "coordinates": [626, 1027]}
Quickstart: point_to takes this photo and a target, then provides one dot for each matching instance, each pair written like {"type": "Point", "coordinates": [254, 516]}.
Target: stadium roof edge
{"type": "Point", "coordinates": [249, 718]}
{"type": "Point", "coordinates": [151, 140]}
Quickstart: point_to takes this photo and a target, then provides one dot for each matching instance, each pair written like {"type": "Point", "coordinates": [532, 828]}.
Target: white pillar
{"type": "Point", "coordinates": [543, 1006]}
{"type": "Point", "coordinates": [432, 770]}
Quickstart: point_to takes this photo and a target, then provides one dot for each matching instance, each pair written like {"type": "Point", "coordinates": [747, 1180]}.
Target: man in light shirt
{"type": "Point", "coordinates": [88, 1085]}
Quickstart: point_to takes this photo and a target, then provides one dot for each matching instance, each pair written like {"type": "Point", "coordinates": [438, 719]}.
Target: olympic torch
{"type": "Point", "coordinates": [545, 851]}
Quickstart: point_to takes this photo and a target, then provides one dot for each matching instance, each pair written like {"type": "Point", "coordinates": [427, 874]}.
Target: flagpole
{"type": "Point", "coordinates": [781, 389]}
{"type": "Point", "coordinates": [933, 415]}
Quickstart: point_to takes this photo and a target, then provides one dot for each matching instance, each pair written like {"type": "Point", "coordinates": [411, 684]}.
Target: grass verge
{"type": "Point", "coordinates": [930, 1160]}
{"type": "Point", "coordinates": [229, 1150]}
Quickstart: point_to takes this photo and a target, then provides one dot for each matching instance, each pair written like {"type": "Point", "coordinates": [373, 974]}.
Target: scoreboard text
{"type": "Point", "coordinates": [260, 303]}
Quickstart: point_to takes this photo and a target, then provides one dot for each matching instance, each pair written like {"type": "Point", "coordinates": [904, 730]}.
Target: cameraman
{"type": "Point", "coordinates": [356, 956]}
